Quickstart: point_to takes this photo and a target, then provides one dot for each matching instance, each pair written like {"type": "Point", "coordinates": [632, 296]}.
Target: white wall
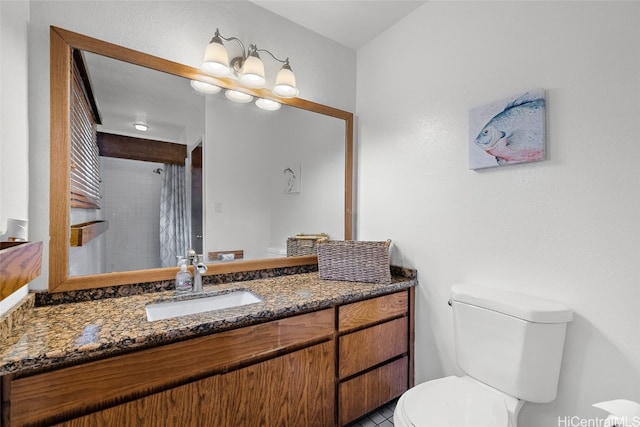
{"type": "Point", "coordinates": [236, 188]}
{"type": "Point", "coordinates": [131, 205]}
{"type": "Point", "coordinates": [246, 150]}
{"type": "Point", "coordinates": [14, 131]}
{"type": "Point", "coordinates": [316, 144]}
{"type": "Point", "coordinates": [178, 31]}
{"type": "Point", "coordinates": [566, 228]}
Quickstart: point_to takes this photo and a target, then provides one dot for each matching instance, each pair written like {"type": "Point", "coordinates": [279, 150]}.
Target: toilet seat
{"type": "Point", "coordinates": [456, 402]}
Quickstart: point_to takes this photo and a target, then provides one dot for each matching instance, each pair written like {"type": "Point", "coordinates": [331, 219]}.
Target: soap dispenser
{"type": "Point", "coordinates": [184, 280]}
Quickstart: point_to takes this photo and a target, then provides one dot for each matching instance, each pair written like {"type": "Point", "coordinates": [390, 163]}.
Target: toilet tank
{"type": "Point", "coordinates": [509, 341]}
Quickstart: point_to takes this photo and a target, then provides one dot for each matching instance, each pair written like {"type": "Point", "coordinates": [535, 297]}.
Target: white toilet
{"type": "Point", "coordinates": [510, 348]}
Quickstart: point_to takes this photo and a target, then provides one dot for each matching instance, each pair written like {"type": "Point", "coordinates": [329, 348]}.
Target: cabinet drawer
{"type": "Point", "coordinates": [77, 389]}
{"type": "Point", "coordinates": [369, 347]}
{"type": "Point", "coordinates": [369, 391]}
{"type": "Point", "coordinates": [375, 310]}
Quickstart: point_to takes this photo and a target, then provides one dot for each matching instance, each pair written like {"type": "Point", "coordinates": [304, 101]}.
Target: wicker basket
{"type": "Point", "coordinates": [304, 244]}
{"type": "Point", "coordinates": [354, 261]}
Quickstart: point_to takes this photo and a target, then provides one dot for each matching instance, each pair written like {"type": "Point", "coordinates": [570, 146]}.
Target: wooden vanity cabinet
{"type": "Point", "coordinates": [375, 353]}
{"type": "Point", "coordinates": [279, 370]}
{"type": "Point", "coordinates": [323, 368]}
{"type": "Point", "coordinates": [296, 389]}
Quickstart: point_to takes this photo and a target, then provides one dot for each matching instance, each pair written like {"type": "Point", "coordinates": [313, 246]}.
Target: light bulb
{"type": "Point", "coordinates": [216, 58]}
{"type": "Point", "coordinates": [253, 71]}
{"type": "Point", "coordinates": [236, 96]}
{"type": "Point", "coordinates": [268, 104]}
{"type": "Point", "coordinates": [204, 87]}
{"type": "Point", "coordinates": [286, 83]}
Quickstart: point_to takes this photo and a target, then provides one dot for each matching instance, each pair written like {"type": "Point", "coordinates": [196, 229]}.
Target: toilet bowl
{"type": "Point", "coordinates": [509, 347]}
{"type": "Point", "coordinates": [455, 402]}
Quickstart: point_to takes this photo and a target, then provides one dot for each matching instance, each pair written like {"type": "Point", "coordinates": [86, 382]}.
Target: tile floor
{"type": "Point", "coordinates": [382, 417]}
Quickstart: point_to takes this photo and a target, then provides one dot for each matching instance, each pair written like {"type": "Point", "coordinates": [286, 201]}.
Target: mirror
{"type": "Point", "coordinates": [135, 176]}
{"type": "Point", "coordinates": [248, 209]}
{"type": "Point", "coordinates": [62, 44]}
{"type": "Point", "coordinates": [249, 156]}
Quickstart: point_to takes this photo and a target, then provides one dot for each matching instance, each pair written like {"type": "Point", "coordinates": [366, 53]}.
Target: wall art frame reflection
{"type": "Point", "coordinates": [291, 178]}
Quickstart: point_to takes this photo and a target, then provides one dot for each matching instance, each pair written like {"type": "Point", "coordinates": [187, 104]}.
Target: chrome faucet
{"type": "Point", "coordinates": [199, 268]}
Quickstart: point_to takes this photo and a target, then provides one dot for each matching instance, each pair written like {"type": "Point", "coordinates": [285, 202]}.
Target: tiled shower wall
{"type": "Point", "coordinates": [131, 204]}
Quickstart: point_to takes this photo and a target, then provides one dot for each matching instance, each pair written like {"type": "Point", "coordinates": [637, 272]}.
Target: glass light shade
{"type": "Point", "coordinates": [286, 83]}
{"type": "Point", "coordinates": [236, 96]}
{"type": "Point", "coordinates": [204, 87]}
{"type": "Point", "coordinates": [253, 72]}
{"type": "Point", "coordinates": [268, 104]}
{"type": "Point", "coordinates": [216, 59]}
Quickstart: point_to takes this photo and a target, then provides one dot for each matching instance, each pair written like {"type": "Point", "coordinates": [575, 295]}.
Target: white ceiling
{"type": "Point", "coordinates": [127, 93]}
{"type": "Point", "coordinates": [351, 23]}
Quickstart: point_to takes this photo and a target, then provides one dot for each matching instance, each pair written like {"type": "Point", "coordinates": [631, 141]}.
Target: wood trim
{"type": "Point", "coordinates": [382, 342]}
{"type": "Point", "coordinates": [146, 150]}
{"type": "Point", "coordinates": [369, 312]}
{"type": "Point", "coordinates": [20, 263]}
{"type": "Point", "coordinates": [157, 274]}
{"type": "Point", "coordinates": [62, 42]}
{"type": "Point", "coordinates": [196, 157]}
{"type": "Point", "coordinates": [55, 395]}
{"type": "Point", "coordinates": [100, 47]}
{"type": "Point", "coordinates": [81, 234]}
{"type": "Point", "coordinates": [59, 231]}
{"type": "Point", "coordinates": [348, 179]}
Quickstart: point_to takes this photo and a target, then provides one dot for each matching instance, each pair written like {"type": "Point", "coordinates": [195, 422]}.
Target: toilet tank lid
{"type": "Point", "coordinates": [531, 309]}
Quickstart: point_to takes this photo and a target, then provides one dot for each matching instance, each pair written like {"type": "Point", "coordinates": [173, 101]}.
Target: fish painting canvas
{"type": "Point", "coordinates": [508, 131]}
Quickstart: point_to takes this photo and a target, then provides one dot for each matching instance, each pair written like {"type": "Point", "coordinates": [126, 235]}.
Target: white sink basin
{"type": "Point", "coordinates": [167, 310]}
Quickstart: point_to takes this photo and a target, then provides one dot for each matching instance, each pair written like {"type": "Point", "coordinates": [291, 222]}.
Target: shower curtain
{"type": "Point", "coordinates": [174, 226]}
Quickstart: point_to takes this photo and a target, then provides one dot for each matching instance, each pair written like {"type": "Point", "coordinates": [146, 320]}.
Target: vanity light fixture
{"type": "Point", "coordinates": [249, 68]}
{"type": "Point", "coordinates": [216, 57]}
{"type": "Point", "coordinates": [141, 126]}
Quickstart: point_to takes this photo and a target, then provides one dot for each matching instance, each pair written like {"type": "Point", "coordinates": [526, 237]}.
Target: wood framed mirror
{"type": "Point", "coordinates": [63, 44]}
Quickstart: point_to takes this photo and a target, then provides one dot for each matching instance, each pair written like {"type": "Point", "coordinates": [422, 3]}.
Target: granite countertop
{"type": "Point", "coordinates": [59, 335]}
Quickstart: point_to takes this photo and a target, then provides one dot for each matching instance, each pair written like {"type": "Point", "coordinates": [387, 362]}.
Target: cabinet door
{"type": "Point", "coordinates": [296, 389]}
{"type": "Point", "coordinates": [369, 391]}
